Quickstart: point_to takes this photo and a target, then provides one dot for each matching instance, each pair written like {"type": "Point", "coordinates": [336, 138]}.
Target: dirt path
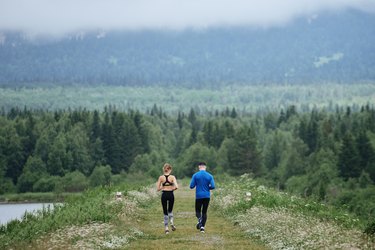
{"type": "Point", "coordinates": [220, 233]}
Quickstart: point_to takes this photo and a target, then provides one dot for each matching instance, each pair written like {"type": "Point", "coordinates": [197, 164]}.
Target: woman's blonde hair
{"type": "Point", "coordinates": [167, 167]}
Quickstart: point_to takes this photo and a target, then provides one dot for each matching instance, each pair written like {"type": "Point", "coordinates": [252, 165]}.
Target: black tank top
{"type": "Point", "coordinates": [167, 182]}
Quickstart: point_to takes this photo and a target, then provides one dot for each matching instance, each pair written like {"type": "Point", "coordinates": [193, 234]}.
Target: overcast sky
{"type": "Point", "coordinates": [58, 17]}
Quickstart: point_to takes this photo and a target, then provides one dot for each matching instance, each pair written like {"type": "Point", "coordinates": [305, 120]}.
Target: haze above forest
{"type": "Point", "coordinates": [197, 43]}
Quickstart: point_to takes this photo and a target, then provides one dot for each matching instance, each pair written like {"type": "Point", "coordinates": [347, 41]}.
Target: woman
{"type": "Point", "coordinates": [167, 183]}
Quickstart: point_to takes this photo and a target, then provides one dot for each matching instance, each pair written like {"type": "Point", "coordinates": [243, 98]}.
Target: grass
{"type": "Point", "coordinates": [284, 221]}
{"type": "Point", "coordinates": [92, 206]}
{"type": "Point", "coordinates": [97, 221]}
{"type": "Point", "coordinates": [265, 220]}
{"type": "Point", "coordinates": [220, 233]}
{"type": "Point", "coordinates": [36, 197]}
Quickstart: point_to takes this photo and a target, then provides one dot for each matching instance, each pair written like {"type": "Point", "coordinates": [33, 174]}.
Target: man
{"type": "Point", "coordinates": [203, 182]}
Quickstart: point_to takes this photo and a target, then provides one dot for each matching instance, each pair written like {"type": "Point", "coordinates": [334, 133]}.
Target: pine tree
{"type": "Point", "coordinates": [233, 114]}
{"type": "Point", "coordinates": [348, 163]}
{"type": "Point", "coordinates": [218, 135]}
{"type": "Point", "coordinates": [142, 132]}
{"type": "Point", "coordinates": [107, 138]}
{"type": "Point", "coordinates": [180, 120]}
{"type": "Point", "coordinates": [244, 156]}
{"type": "Point", "coordinates": [312, 135]}
{"type": "Point", "coordinates": [366, 155]}
{"type": "Point", "coordinates": [291, 111]}
{"type": "Point", "coordinates": [274, 151]}
{"type": "Point", "coordinates": [30, 134]}
{"type": "Point", "coordinates": [192, 118]}
{"type": "Point", "coordinates": [14, 154]}
{"type": "Point", "coordinates": [193, 135]}
{"type": "Point", "coordinates": [282, 118]}
{"type": "Point", "coordinates": [208, 133]}
{"type": "Point", "coordinates": [95, 127]}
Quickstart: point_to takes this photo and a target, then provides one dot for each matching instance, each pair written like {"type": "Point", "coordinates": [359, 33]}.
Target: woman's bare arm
{"type": "Point", "coordinates": [175, 183]}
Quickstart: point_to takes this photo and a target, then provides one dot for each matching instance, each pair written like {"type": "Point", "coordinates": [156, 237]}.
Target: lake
{"type": "Point", "coordinates": [9, 212]}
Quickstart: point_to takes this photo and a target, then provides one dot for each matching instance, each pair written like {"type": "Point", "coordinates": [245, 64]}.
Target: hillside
{"type": "Point", "coordinates": [327, 47]}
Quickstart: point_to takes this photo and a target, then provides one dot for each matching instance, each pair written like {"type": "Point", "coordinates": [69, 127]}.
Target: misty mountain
{"type": "Point", "coordinates": [327, 47]}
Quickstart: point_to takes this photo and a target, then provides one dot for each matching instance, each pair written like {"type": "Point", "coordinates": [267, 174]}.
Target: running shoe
{"type": "Point", "coordinates": [173, 228]}
{"type": "Point", "coordinates": [166, 231]}
{"type": "Point", "coordinates": [202, 229]}
{"type": "Point", "coordinates": [198, 226]}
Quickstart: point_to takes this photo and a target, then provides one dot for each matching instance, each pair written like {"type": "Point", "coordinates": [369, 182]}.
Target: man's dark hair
{"type": "Point", "coordinates": [202, 163]}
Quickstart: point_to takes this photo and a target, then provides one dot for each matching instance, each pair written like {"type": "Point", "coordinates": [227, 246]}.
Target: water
{"type": "Point", "coordinates": [9, 212]}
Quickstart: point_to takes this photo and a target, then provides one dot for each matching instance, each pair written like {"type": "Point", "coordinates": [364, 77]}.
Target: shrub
{"type": "Point", "coordinates": [370, 228]}
{"type": "Point", "coordinates": [46, 184]}
{"type": "Point", "coordinates": [100, 176]}
{"type": "Point", "coordinates": [7, 186]}
{"type": "Point", "coordinates": [74, 182]}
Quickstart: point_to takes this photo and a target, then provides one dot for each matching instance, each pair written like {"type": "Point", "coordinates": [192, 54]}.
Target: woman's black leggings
{"type": "Point", "coordinates": [167, 201]}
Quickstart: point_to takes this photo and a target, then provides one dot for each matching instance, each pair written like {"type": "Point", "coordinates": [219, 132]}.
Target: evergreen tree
{"type": "Point", "coordinates": [133, 142]}
{"type": "Point", "coordinates": [273, 151]}
{"type": "Point", "coordinates": [126, 144]}
{"type": "Point", "coordinates": [366, 155]}
{"type": "Point", "coordinates": [142, 132]}
{"type": "Point", "coordinates": [107, 138]}
{"type": "Point", "coordinates": [312, 135]}
{"type": "Point", "coordinates": [208, 134]}
{"type": "Point", "coordinates": [192, 118]}
{"type": "Point", "coordinates": [97, 152]}
{"type": "Point", "coordinates": [233, 114]}
{"type": "Point", "coordinates": [244, 156]}
{"type": "Point", "coordinates": [180, 120]}
{"type": "Point", "coordinates": [282, 118]}
{"type": "Point", "coordinates": [348, 162]}
{"type": "Point", "coordinates": [303, 130]}
{"type": "Point", "coordinates": [12, 149]}
{"type": "Point", "coordinates": [270, 121]}
{"type": "Point", "coordinates": [218, 135]}
{"type": "Point", "coordinates": [30, 139]}
{"type": "Point", "coordinates": [95, 127]}
{"type": "Point", "coordinates": [193, 135]}
{"type": "Point", "coordinates": [291, 111]}
{"type": "Point", "coordinates": [228, 129]}
{"type": "Point", "coordinates": [59, 160]}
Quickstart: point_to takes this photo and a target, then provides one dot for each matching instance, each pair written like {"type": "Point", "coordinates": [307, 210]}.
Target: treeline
{"type": "Point", "coordinates": [251, 99]}
{"type": "Point", "coordinates": [326, 155]}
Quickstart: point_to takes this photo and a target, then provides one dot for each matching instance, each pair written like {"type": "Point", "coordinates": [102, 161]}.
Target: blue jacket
{"type": "Point", "coordinates": [204, 182]}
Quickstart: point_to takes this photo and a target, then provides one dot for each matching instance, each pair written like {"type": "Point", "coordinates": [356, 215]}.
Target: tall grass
{"type": "Point", "coordinates": [262, 196]}
{"type": "Point", "coordinates": [282, 220]}
{"type": "Point", "coordinates": [93, 205]}
{"type": "Point", "coordinates": [36, 197]}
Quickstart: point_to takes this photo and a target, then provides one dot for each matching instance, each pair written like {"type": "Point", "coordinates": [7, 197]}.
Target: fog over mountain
{"type": "Point", "coordinates": [53, 17]}
{"type": "Point", "coordinates": [190, 43]}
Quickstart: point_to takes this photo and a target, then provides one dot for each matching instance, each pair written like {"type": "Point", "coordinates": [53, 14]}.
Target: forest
{"type": "Point", "coordinates": [259, 98]}
{"type": "Point", "coordinates": [327, 156]}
